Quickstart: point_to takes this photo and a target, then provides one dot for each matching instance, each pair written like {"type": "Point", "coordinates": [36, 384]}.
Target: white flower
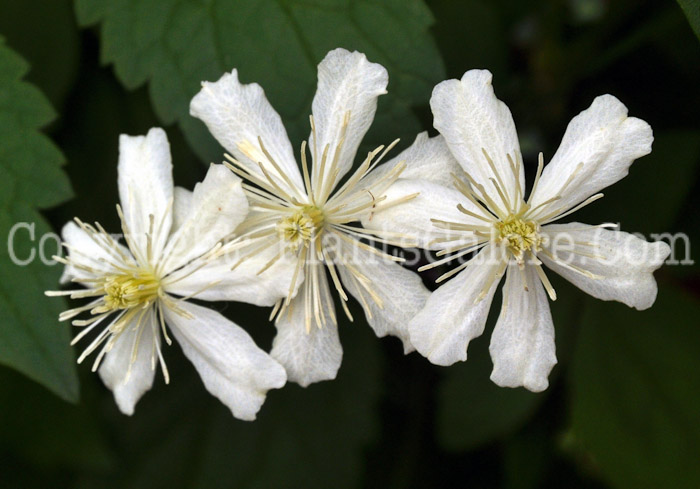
{"type": "Point", "coordinates": [134, 289]}
{"type": "Point", "coordinates": [489, 214]}
{"type": "Point", "coordinates": [306, 217]}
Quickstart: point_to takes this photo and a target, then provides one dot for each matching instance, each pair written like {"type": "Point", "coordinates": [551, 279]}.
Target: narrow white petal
{"type": "Point", "coordinates": [522, 343]}
{"type": "Point", "coordinates": [414, 218]}
{"type": "Point", "coordinates": [181, 207]}
{"type": "Point", "coordinates": [216, 281]}
{"type": "Point", "coordinates": [237, 115]}
{"type": "Point", "coordinates": [146, 187]}
{"type": "Point", "coordinates": [621, 263]}
{"type": "Point", "coordinates": [217, 206]}
{"type": "Point", "coordinates": [426, 159]}
{"type": "Point", "coordinates": [86, 253]}
{"type": "Point", "coordinates": [308, 356]}
{"type": "Point", "coordinates": [129, 383]}
{"type": "Point", "coordinates": [472, 120]}
{"type": "Point", "coordinates": [231, 365]}
{"type": "Point", "coordinates": [348, 85]}
{"type": "Point", "coordinates": [401, 292]}
{"type": "Point", "coordinates": [605, 141]}
{"type": "Point", "coordinates": [453, 315]}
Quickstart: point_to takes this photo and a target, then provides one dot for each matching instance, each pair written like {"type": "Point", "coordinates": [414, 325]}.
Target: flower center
{"type": "Point", "coordinates": [302, 226]}
{"type": "Point", "coordinates": [519, 235]}
{"type": "Point", "coordinates": [128, 290]}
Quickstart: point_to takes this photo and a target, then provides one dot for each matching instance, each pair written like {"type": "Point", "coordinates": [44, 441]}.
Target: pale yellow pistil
{"type": "Point", "coordinates": [127, 290]}
{"type": "Point", "coordinates": [302, 226]}
{"type": "Point", "coordinates": [519, 236]}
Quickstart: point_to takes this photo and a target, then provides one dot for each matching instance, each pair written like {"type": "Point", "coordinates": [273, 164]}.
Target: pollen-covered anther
{"type": "Point", "coordinates": [519, 236]}
{"type": "Point", "coordinates": [302, 226]}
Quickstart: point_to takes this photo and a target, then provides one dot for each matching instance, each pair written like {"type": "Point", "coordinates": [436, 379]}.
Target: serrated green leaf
{"type": "Point", "coordinates": [691, 8]}
{"type": "Point", "coordinates": [173, 45]}
{"type": "Point", "coordinates": [31, 340]}
{"type": "Point", "coordinates": [636, 392]}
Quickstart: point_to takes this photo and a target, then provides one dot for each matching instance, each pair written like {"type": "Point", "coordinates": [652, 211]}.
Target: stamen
{"type": "Point", "coordinates": [555, 216]}
{"type": "Point", "coordinates": [498, 182]}
{"type": "Point", "coordinates": [271, 160]}
{"type": "Point", "coordinates": [545, 281]}
{"type": "Point", "coordinates": [540, 167]}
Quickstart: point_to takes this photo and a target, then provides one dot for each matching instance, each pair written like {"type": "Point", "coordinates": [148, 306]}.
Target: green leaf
{"type": "Point", "coordinates": [691, 9]}
{"type": "Point", "coordinates": [173, 45]}
{"type": "Point", "coordinates": [31, 339]}
{"type": "Point", "coordinates": [636, 391]}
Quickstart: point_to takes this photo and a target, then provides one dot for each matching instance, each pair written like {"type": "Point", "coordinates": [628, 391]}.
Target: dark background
{"type": "Point", "coordinates": [623, 406]}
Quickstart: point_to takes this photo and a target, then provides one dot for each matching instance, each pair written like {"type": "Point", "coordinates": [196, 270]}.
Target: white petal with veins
{"type": "Point", "coordinates": [522, 343]}
{"type": "Point", "coordinates": [348, 86]}
{"type": "Point", "coordinates": [426, 159]}
{"type": "Point", "coordinates": [401, 292]}
{"type": "Point", "coordinates": [237, 115]}
{"type": "Point", "coordinates": [216, 281]}
{"type": "Point", "coordinates": [231, 365]}
{"type": "Point", "coordinates": [456, 312]}
{"type": "Point", "coordinates": [217, 206]}
{"type": "Point", "coordinates": [88, 251]}
{"type": "Point", "coordinates": [414, 218]}
{"type": "Point", "coordinates": [309, 355]}
{"type": "Point", "coordinates": [617, 266]}
{"type": "Point", "coordinates": [471, 118]}
{"type": "Point", "coordinates": [597, 150]}
{"type": "Point", "coordinates": [146, 188]}
{"type": "Point", "coordinates": [129, 381]}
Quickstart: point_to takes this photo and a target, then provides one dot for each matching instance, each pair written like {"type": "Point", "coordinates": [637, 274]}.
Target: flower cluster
{"type": "Point", "coordinates": [269, 230]}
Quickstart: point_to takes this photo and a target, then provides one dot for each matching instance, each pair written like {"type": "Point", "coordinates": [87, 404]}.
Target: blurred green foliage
{"type": "Point", "coordinates": [175, 45]}
{"type": "Point", "coordinates": [30, 338]}
{"type": "Point", "coordinates": [622, 408]}
{"type": "Point", "coordinates": [692, 11]}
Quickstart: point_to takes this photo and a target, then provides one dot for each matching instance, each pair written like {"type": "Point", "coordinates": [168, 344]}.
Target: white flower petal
{"type": "Point", "coordinates": [146, 188]}
{"type": "Point", "coordinates": [84, 251]}
{"type": "Point", "coordinates": [217, 206]}
{"type": "Point", "coordinates": [426, 159]}
{"type": "Point", "coordinates": [348, 85]}
{"type": "Point", "coordinates": [237, 115]}
{"type": "Point", "coordinates": [453, 315]}
{"type": "Point", "coordinates": [231, 365]}
{"type": "Point", "coordinates": [129, 383]}
{"type": "Point", "coordinates": [308, 356]}
{"type": "Point", "coordinates": [622, 263]}
{"type": "Point", "coordinates": [400, 291]}
{"type": "Point", "coordinates": [471, 118]}
{"type": "Point", "coordinates": [182, 205]}
{"type": "Point", "coordinates": [243, 283]}
{"type": "Point", "coordinates": [414, 218]}
{"type": "Point", "coordinates": [522, 343]}
{"type": "Point", "coordinates": [605, 141]}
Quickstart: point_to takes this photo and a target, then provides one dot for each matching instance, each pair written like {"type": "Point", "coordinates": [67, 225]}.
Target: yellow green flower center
{"type": "Point", "coordinates": [519, 235]}
{"type": "Point", "coordinates": [129, 290]}
{"type": "Point", "coordinates": [302, 226]}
